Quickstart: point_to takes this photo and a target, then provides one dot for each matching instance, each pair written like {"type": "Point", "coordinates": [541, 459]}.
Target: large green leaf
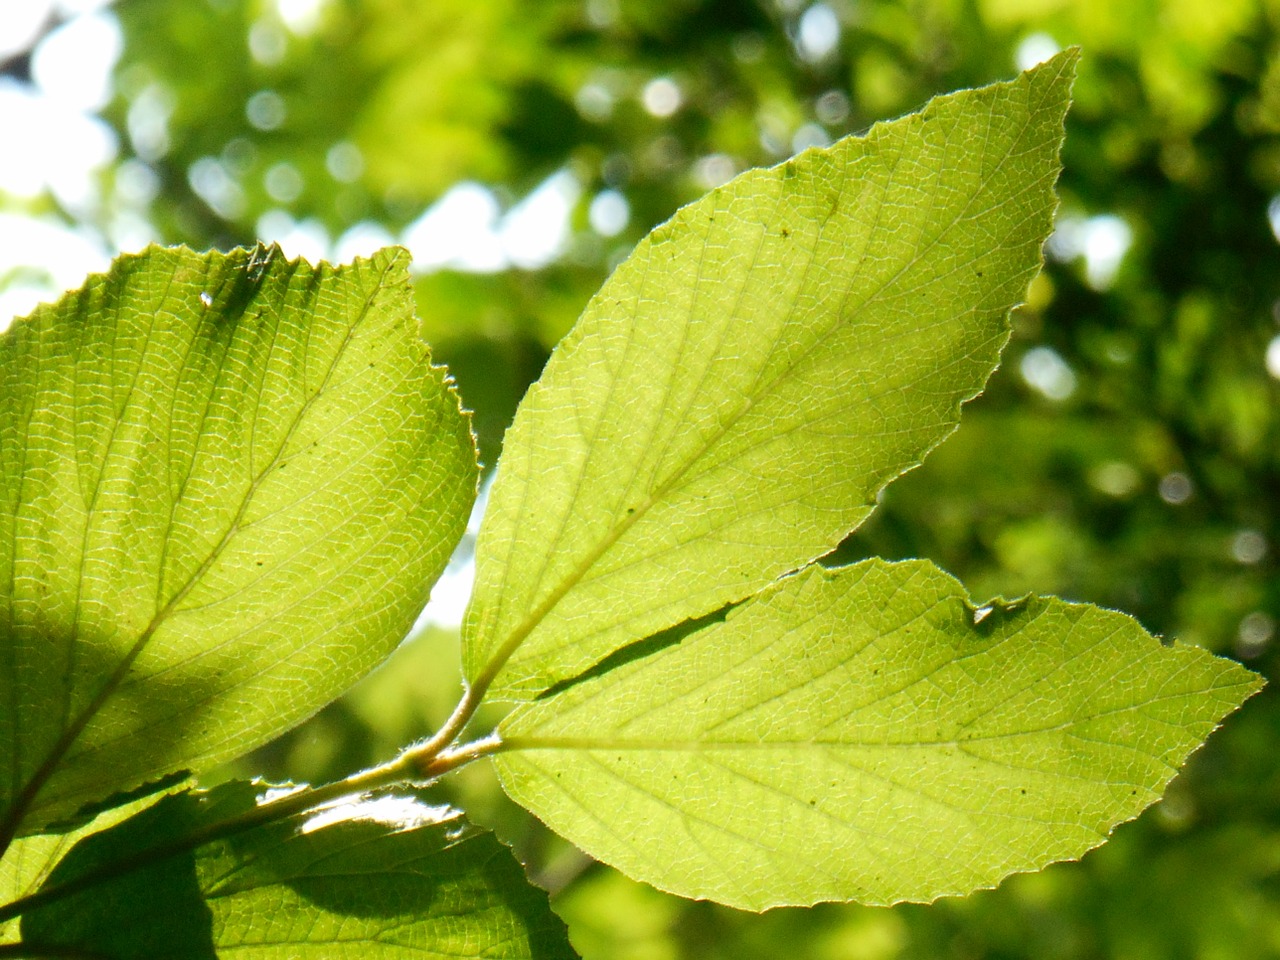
{"type": "Point", "coordinates": [736, 395]}
{"type": "Point", "coordinates": [229, 482]}
{"type": "Point", "coordinates": [866, 734]}
{"type": "Point", "coordinates": [390, 877]}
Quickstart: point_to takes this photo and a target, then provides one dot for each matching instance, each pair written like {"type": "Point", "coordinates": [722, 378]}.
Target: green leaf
{"type": "Point", "coordinates": [389, 877]}
{"type": "Point", "coordinates": [229, 481]}
{"type": "Point", "coordinates": [737, 394]}
{"type": "Point", "coordinates": [27, 863]}
{"type": "Point", "coordinates": [867, 734]}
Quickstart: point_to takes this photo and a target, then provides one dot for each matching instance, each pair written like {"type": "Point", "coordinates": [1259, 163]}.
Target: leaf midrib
{"type": "Point", "coordinates": [605, 742]}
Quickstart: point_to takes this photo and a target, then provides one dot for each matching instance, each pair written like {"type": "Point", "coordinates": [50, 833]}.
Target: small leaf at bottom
{"type": "Point", "coordinates": [390, 877]}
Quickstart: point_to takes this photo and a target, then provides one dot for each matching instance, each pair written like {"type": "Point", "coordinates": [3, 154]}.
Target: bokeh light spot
{"type": "Point", "coordinates": [661, 97]}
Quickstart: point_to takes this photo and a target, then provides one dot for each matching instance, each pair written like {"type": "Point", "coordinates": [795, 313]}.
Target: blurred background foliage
{"type": "Point", "coordinates": [1127, 453]}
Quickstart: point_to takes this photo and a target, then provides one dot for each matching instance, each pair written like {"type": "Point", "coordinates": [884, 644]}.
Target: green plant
{"type": "Point", "coordinates": [230, 479]}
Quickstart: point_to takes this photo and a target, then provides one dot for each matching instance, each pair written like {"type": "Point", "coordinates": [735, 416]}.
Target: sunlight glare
{"type": "Point", "coordinates": [400, 813]}
{"type": "Point", "coordinates": [466, 230]}
{"type": "Point", "coordinates": [1107, 241]}
{"type": "Point", "coordinates": [72, 65]}
{"type": "Point", "coordinates": [20, 23]}
{"type": "Point", "coordinates": [1273, 357]}
{"type": "Point", "coordinates": [300, 16]}
{"type": "Point", "coordinates": [457, 231]}
{"type": "Point", "coordinates": [1102, 241]}
{"type": "Point", "coordinates": [818, 33]}
{"type": "Point", "coordinates": [1045, 370]}
{"type": "Point", "coordinates": [307, 239]}
{"type": "Point", "coordinates": [50, 257]}
{"type": "Point", "coordinates": [661, 97]}
{"type": "Point", "coordinates": [1035, 49]}
{"type": "Point", "coordinates": [609, 213]}
{"type": "Point", "coordinates": [535, 230]}
{"type": "Point", "coordinates": [364, 239]}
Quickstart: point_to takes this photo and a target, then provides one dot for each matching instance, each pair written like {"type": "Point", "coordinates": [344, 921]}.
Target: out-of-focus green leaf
{"type": "Point", "coordinates": [229, 482]}
{"type": "Point", "coordinates": [382, 104]}
{"type": "Point", "coordinates": [494, 331]}
{"type": "Point", "coordinates": [742, 387]}
{"type": "Point", "coordinates": [867, 734]}
{"type": "Point", "coordinates": [1173, 45]}
{"type": "Point", "coordinates": [388, 877]}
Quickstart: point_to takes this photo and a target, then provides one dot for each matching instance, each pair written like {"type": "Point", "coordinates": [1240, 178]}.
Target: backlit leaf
{"type": "Point", "coordinates": [738, 393]}
{"type": "Point", "coordinates": [867, 734]}
{"type": "Point", "coordinates": [229, 481]}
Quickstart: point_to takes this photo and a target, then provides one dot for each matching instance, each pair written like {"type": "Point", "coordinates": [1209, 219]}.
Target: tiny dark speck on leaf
{"type": "Point", "coordinates": [786, 232]}
{"type": "Point", "coordinates": [259, 563]}
{"type": "Point", "coordinates": [630, 510]}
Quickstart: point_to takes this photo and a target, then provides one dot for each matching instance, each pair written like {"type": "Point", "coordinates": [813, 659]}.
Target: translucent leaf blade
{"type": "Point", "coordinates": [229, 482]}
{"type": "Point", "coordinates": [387, 878]}
{"type": "Point", "coordinates": [734, 398]}
{"type": "Point", "coordinates": [855, 735]}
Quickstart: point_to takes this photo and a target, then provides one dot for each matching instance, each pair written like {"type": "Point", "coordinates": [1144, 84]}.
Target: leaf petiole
{"type": "Point", "coordinates": [420, 764]}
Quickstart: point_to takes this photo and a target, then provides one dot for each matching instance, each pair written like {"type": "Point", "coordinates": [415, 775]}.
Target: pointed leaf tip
{"type": "Point", "coordinates": [854, 735]}
{"type": "Point", "coordinates": [743, 386]}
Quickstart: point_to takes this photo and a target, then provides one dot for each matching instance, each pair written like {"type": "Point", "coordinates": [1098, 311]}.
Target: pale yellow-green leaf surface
{"type": "Point", "coordinates": [229, 481]}
{"type": "Point", "coordinates": [867, 734]}
{"type": "Point", "coordinates": [739, 391]}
